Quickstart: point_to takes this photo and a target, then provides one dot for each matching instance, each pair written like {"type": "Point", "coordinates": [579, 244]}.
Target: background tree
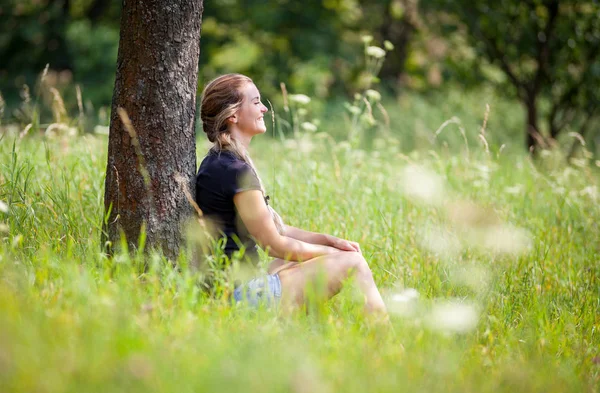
{"type": "Point", "coordinates": [548, 52]}
{"type": "Point", "coordinates": [156, 84]}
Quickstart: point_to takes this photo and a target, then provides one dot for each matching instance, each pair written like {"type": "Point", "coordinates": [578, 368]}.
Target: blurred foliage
{"type": "Point", "coordinates": [550, 49]}
{"type": "Point", "coordinates": [546, 53]}
{"type": "Point", "coordinates": [313, 46]}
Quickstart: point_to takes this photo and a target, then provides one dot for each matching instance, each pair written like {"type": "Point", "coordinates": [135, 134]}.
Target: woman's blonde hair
{"type": "Point", "coordinates": [221, 99]}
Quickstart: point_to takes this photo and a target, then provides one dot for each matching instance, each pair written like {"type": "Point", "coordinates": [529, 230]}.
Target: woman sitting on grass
{"type": "Point", "coordinates": [230, 192]}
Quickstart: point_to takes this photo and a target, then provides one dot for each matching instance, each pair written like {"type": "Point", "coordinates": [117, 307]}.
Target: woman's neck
{"type": "Point", "coordinates": [240, 137]}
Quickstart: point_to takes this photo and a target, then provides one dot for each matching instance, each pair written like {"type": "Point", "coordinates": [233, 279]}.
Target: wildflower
{"type": "Point", "coordinates": [388, 45]}
{"type": "Point", "coordinates": [299, 98]}
{"type": "Point", "coordinates": [422, 185]}
{"type": "Point", "coordinates": [367, 39]}
{"type": "Point", "coordinates": [506, 239]}
{"type": "Point", "coordinates": [373, 95]}
{"type": "Point", "coordinates": [403, 303]}
{"type": "Point", "coordinates": [3, 207]}
{"type": "Point", "coordinates": [375, 51]}
{"type": "Point", "coordinates": [307, 126]}
{"type": "Point", "coordinates": [453, 316]}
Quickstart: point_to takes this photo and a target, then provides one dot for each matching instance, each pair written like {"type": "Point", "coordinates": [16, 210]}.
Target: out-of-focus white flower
{"type": "Point", "coordinates": [421, 184]}
{"type": "Point", "coordinates": [514, 190]}
{"type": "Point", "coordinates": [453, 317]}
{"type": "Point", "coordinates": [373, 94]}
{"type": "Point", "coordinates": [403, 303]}
{"type": "Point", "coordinates": [367, 39]}
{"type": "Point", "coordinates": [3, 207]}
{"type": "Point", "coordinates": [440, 242]}
{"type": "Point", "coordinates": [591, 191]}
{"type": "Point", "coordinates": [4, 228]}
{"type": "Point", "coordinates": [375, 51]}
{"type": "Point", "coordinates": [307, 126]}
{"type": "Point", "coordinates": [299, 98]}
{"type": "Point", "coordinates": [506, 239]}
{"type": "Point", "coordinates": [388, 45]}
{"type": "Point", "coordinates": [407, 295]}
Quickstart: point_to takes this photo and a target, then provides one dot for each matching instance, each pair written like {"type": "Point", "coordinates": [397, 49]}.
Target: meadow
{"type": "Point", "coordinates": [489, 262]}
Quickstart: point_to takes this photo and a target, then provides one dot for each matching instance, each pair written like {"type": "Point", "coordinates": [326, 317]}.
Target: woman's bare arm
{"type": "Point", "coordinates": [321, 238]}
{"type": "Point", "coordinates": [256, 217]}
{"type": "Point", "coordinates": [307, 236]}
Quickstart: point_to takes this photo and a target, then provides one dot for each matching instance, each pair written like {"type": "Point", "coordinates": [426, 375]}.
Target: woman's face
{"type": "Point", "coordinates": [250, 116]}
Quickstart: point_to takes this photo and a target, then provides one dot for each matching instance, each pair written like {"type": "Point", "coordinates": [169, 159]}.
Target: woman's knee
{"type": "Point", "coordinates": [358, 264]}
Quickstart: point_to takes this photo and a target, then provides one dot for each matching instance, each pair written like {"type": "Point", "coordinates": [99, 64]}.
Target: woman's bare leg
{"type": "Point", "coordinates": [330, 270]}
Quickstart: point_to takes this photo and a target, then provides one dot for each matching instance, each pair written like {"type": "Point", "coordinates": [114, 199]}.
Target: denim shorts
{"type": "Point", "coordinates": [264, 289]}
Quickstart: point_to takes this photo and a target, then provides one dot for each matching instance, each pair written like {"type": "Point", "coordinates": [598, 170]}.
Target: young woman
{"type": "Point", "coordinates": [230, 192]}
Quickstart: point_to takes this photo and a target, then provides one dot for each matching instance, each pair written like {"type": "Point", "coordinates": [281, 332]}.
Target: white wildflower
{"type": "Point", "coordinates": [453, 317]}
{"type": "Point", "coordinates": [514, 190]}
{"type": "Point", "coordinates": [591, 191]}
{"type": "Point", "coordinates": [299, 98]}
{"type": "Point", "coordinates": [3, 207]}
{"type": "Point", "coordinates": [403, 303]}
{"type": "Point", "coordinates": [308, 126]}
{"type": "Point", "coordinates": [388, 45]}
{"type": "Point", "coordinates": [367, 39]}
{"type": "Point", "coordinates": [421, 184]}
{"type": "Point", "coordinates": [375, 51]}
{"type": "Point", "coordinates": [373, 95]}
{"type": "Point", "coordinates": [506, 239]}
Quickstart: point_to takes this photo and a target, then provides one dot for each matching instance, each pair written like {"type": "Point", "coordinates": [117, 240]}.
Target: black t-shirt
{"type": "Point", "coordinates": [220, 176]}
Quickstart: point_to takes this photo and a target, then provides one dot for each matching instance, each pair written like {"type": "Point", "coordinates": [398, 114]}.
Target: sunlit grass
{"type": "Point", "coordinates": [489, 263]}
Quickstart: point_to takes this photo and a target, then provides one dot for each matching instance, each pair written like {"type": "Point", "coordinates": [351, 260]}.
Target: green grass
{"type": "Point", "coordinates": [73, 321]}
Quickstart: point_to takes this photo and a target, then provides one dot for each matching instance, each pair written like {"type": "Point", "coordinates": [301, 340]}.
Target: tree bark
{"type": "Point", "coordinates": [156, 83]}
{"type": "Point", "coordinates": [532, 130]}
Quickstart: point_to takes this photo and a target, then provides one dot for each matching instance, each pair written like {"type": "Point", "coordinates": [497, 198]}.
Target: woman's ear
{"type": "Point", "coordinates": [233, 119]}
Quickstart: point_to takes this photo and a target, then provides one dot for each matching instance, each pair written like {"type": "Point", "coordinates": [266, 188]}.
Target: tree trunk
{"type": "Point", "coordinates": [156, 83]}
{"type": "Point", "coordinates": [532, 131]}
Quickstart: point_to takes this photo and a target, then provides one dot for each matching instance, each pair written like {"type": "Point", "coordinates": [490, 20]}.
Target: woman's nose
{"type": "Point", "coordinates": [264, 109]}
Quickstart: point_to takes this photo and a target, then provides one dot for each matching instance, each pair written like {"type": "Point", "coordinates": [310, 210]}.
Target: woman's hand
{"type": "Point", "coordinates": [343, 245]}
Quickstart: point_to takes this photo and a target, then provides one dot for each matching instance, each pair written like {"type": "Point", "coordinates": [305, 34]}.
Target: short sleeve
{"type": "Point", "coordinates": [240, 177]}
